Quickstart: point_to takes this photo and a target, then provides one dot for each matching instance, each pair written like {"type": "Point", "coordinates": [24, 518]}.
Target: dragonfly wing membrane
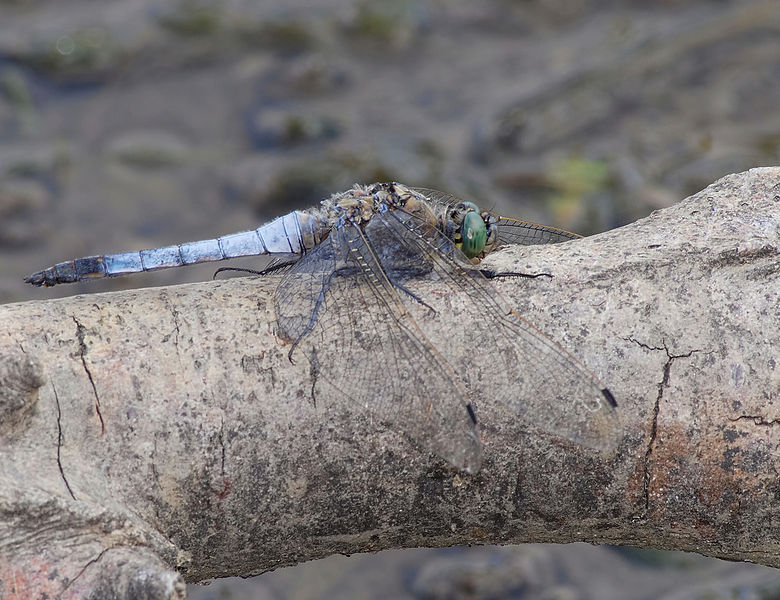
{"type": "Point", "coordinates": [526, 233]}
{"type": "Point", "coordinates": [350, 321]}
{"type": "Point", "coordinates": [508, 359]}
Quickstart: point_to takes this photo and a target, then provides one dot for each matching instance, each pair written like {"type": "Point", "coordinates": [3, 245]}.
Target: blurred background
{"type": "Point", "coordinates": [140, 123]}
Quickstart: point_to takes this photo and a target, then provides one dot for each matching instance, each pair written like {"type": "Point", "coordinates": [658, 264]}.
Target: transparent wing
{"type": "Point", "coordinates": [526, 233]}
{"type": "Point", "coordinates": [503, 358]}
{"type": "Point", "coordinates": [437, 198]}
{"type": "Point", "coordinates": [510, 231]}
{"type": "Point", "coordinates": [338, 303]}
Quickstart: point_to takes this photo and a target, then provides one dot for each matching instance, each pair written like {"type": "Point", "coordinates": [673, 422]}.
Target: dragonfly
{"type": "Point", "coordinates": [368, 275]}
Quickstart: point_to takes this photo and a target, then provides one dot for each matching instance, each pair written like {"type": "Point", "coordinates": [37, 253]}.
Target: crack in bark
{"type": "Point", "coordinates": [156, 476]}
{"type": "Point", "coordinates": [85, 567]}
{"type": "Point", "coordinates": [757, 420]}
{"type": "Point", "coordinates": [222, 444]}
{"type": "Point", "coordinates": [656, 410]}
{"type": "Point", "coordinates": [175, 315]}
{"type": "Point", "coordinates": [80, 335]}
{"type": "Point", "coordinates": [650, 445]}
{"type": "Point", "coordinates": [646, 346]}
{"type": "Point", "coordinates": [59, 441]}
{"type": "Point", "coordinates": [225, 481]}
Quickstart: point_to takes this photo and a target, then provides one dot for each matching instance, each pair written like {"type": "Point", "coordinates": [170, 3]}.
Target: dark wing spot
{"type": "Point", "coordinates": [471, 413]}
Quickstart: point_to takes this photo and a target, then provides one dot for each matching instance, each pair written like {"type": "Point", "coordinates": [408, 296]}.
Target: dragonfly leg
{"type": "Point", "coordinates": [237, 269]}
{"type": "Point", "coordinates": [497, 274]}
{"type": "Point", "coordinates": [414, 296]}
{"type": "Point", "coordinates": [266, 271]}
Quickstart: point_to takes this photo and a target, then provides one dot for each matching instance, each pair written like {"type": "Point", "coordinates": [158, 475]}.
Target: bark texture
{"type": "Point", "coordinates": [155, 436]}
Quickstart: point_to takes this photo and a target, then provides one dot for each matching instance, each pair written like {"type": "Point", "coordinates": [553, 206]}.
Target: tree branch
{"type": "Point", "coordinates": [159, 434]}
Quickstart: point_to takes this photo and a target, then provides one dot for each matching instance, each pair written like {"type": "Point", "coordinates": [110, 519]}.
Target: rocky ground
{"type": "Point", "coordinates": [137, 123]}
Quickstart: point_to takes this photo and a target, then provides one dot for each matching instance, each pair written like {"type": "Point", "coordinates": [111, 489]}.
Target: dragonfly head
{"type": "Point", "coordinates": [474, 234]}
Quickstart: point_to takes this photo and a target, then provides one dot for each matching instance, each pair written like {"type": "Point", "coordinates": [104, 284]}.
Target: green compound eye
{"type": "Point", "coordinates": [473, 234]}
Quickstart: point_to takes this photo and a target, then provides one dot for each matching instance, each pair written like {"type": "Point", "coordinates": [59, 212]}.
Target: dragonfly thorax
{"type": "Point", "coordinates": [351, 207]}
{"type": "Point", "coordinates": [358, 205]}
